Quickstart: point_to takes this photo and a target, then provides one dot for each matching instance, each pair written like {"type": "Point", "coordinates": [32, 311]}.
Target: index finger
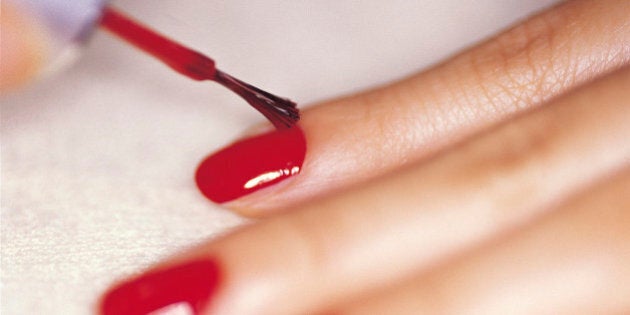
{"type": "Point", "coordinates": [360, 137]}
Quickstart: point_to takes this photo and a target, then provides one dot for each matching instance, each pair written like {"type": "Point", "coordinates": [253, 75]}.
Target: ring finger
{"type": "Point", "coordinates": [572, 262]}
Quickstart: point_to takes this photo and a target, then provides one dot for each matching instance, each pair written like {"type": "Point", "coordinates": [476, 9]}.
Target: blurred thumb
{"type": "Point", "coordinates": [22, 47]}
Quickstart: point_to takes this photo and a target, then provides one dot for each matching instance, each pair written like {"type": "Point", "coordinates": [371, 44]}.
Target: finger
{"type": "Point", "coordinates": [572, 262]}
{"type": "Point", "coordinates": [361, 137]}
{"type": "Point", "coordinates": [22, 47]}
{"type": "Point", "coordinates": [382, 232]}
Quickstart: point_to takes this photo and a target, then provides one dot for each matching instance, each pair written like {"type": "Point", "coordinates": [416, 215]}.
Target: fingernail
{"type": "Point", "coordinates": [252, 164]}
{"type": "Point", "coordinates": [188, 286]}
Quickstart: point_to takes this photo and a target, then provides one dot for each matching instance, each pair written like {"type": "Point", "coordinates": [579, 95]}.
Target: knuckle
{"type": "Point", "coordinates": [518, 145]}
{"type": "Point", "coordinates": [526, 143]}
{"type": "Point", "coordinates": [512, 163]}
{"type": "Point", "coordinates": [525, 64]}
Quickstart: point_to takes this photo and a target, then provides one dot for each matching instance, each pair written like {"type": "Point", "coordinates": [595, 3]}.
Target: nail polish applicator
{"type": "Point", "coordinates": [69, 24]}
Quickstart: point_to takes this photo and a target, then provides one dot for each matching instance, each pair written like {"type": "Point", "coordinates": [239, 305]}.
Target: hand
{"type": "Point", "coordinates": [497, 182]}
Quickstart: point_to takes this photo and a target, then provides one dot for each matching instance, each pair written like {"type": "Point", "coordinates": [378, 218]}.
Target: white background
{"type": "Point", "coordinates": [98, 161]}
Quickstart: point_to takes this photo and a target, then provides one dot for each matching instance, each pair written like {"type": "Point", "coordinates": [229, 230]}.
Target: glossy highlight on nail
{"type": "Point", "coordinates": [252, 164]}
{"type": "Point", "coordinates": [186, 287]}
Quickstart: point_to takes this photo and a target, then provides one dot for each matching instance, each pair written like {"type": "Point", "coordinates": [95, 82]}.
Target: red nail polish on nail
{"type": "Point", "coordinates": [251, 164]}
{"type": "Point", "coordinates": [190, 285]}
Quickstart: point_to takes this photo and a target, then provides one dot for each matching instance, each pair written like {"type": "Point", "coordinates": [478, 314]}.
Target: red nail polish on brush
{"type": "Point", "coordinates": [189, 286]}
{"type": "Point", "coordinates": [251, 164]}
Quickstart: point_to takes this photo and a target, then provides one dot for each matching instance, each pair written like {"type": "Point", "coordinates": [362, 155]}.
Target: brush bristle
{"type": "Point", "coordinates": [281, 112]}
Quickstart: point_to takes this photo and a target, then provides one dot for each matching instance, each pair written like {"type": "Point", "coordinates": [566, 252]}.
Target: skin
{"type": "Point", "coordinates": [498, 182]}
{"type": "Point", "coordinates": [413, 119]}
{"type": "Point", "coordinates": [375, 237]}
{"type": "Point", "coordinates": [23, 48]}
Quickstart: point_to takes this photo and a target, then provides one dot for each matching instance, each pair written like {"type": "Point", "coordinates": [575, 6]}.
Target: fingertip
{"type": "Point", "coordinates": [251, 165]}
{"type": "Point", "coordinates": [188, 286]}
{"type": "Point", "coordinates": [317, 173]}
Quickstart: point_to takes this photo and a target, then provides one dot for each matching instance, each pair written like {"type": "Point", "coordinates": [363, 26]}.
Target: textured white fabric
{"type": "Point", "coordinates": [98, 162]}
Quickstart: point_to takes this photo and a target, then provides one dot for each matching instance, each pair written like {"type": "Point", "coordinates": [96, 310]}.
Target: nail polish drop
{"type": "Point", "coordinates": [252, 164]}
{"type": "Point", "coordinates": [189, 287]}
{"type": "Point", "coordinates": [282, 112]}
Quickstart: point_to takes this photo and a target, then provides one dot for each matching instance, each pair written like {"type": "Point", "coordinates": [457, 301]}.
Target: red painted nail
{"type": "Point", "coordinates": [251, 164]}
{"type": "Point", "coordinates": [188, 286]}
